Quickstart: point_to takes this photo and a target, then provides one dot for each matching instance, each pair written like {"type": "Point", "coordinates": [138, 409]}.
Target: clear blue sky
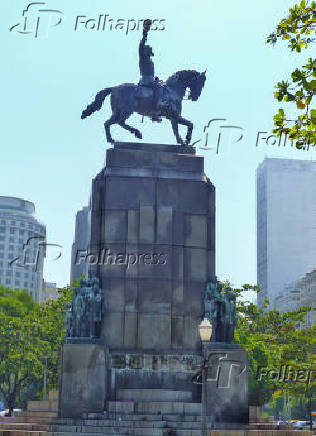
{"type": "Point", "coordinates": [49, 156]}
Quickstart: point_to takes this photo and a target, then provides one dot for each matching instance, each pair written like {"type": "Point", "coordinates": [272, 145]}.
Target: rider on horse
{"type": "Point", "coordinates": [147, 69]}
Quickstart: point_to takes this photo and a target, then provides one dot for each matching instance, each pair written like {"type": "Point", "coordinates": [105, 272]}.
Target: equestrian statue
{"type": "Point", "coordinates": [151, 97]}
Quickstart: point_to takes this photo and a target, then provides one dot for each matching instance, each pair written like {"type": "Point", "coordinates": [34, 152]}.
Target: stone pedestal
{"type": "Point", "coordinates": [227, 384]}
{"type": "Point", "coordinates": [152, 247]}
{"type": "Point", "coordinates": [153, 203]}
{"type": "Point", "coordinates": [83, 380]}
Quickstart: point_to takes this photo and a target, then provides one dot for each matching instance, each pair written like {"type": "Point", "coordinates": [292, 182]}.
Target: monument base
{"type": "Point", "coordinates": [83, 380]}
{"type": "Point", "coordinates": [227, 383]}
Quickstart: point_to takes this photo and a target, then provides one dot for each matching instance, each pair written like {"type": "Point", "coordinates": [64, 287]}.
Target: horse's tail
{"type": "Point", "coordinates": [97, 103]}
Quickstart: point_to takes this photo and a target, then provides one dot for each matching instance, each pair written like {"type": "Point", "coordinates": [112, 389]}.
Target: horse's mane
{"type": "Point", "coordinates": [181, 75]}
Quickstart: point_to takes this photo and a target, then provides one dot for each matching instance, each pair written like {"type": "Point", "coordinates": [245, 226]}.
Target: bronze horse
{"type": "Point", "coordinates": [163, 101]}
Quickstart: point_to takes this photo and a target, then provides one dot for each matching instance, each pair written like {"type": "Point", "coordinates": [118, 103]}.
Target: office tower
{"type": "Point", "coordinates": [49, 291]}
{"type": "Point", "coordinates": [80, 244]}
{"type": "Point", "coordinates": [286, 224]}
{"type": "Point", "coordinates": [298, 294]}
{"type": "Point", "coordinates": [22, 246]}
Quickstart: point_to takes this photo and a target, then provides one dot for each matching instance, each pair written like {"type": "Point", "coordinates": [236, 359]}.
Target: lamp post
{"type": "Point", "coordinates": [205, 330]}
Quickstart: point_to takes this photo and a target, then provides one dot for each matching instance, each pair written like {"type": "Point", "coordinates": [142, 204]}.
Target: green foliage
{"type": "Point", "coordinates": [272, 340]}
{"type": "Point", "coordinates": [298, 28]}
{"type": "Point", "coordinates": [15, 302]}
{"type": "Point", "coordinates": [25, 340]}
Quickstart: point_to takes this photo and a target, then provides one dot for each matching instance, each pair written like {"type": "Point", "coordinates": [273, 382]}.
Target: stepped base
{"type": "Point", "coordinates": [158, 418]}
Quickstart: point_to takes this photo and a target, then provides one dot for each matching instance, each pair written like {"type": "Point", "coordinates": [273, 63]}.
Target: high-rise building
{"type": "Point", "coordinates": [298, 294]}
{"type": "Point", "coordinates": [49, 291]}
{"type": "Point", "coordinates": [286, 223]}
{"type": "Point", "coordinates": [22, 248]}
{"type": "Point", "coordinates": [80, 244]}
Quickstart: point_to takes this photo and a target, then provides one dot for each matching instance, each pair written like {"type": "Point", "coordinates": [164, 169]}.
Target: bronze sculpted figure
{"type": "Point", "coordinates": [220, 309]}
{"type": "Point", "coordinates": [84, 314]}
{"type": "Point", "coordinates": [150, 97]}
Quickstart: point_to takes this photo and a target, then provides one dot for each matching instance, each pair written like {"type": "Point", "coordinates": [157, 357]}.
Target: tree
{"type": "Point", "coordinates": [25, 340]}
{"type": "Point", "coordinates": [298, 28]}
{"type": "Point", "coordinates": [274, 341]}
{"type": "Point", "coordinates": [15, 302]}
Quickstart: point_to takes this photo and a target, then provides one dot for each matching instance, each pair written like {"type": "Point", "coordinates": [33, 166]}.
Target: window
{"type": "Point", "coordinates": [3, 222]}
{"type": "Point", "coordinates": [22, 224]}
{"type": "Point", "coordinates": [1, 255]}
{"type": "Point", "coordinates": [2, 229]}
{"type": "Point", "coordinates": [12, 231]}
{"type": "Point", "coordinates": [25, 284]}
{"type": "Point", "coordinates": [17, 283]}
{"type": "Point", "coordinates": [11, 247]}
{"type": "Point", "coordinates": [9, 272]}
{"type": "Point", "coordinates": [2, 238]}
{"type": "Point", "coordinates": [17, 274]}
{"type": "Point", "coordinates": [22, 232]}
{"type": "Point", "coordinates": [13, 223]}
{"type": "Point", "coordinates": [1, 246]}
{"type": "Point", "coordinates": [11, 239]}
{"type": "Point", "coordinates": [8, 281]}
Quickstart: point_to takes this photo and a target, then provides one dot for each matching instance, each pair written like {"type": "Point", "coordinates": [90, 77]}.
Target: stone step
{"type": "Point", "coordinates": [42, 406]}
{"type": "Point", "coordinates": [153, 395]}
{"type": "Point", "coordinates": [39, 414]}
{"type": "Point", "coordinates": [124, 431]}
{"type": "Point", "coordinates": [23, 433]}
{"type": "Point", "coordinates": [164, 432]}
{"type": "Point", "coordinates": [23, 426]}
{"type": "Point", "coordinates": [154, 407]}
{"type": "Point", "coordinates": [126, 418]}
{"type": "Point", "coordinates": [22, 419]}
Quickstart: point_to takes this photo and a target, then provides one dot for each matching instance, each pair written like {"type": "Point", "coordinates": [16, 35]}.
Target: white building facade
{"type": "Point", "coordinates": [49, 291]}
{"type": "Point", "coordinates": [22, 246]}
{"type": "Point", "coordinates": [286, 224]}
{"type": "Point", "coordinates": [299, 294]}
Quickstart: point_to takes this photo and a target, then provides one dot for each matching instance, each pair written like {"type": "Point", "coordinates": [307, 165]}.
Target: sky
{"type": "Point", "coordinates": [50, 156]}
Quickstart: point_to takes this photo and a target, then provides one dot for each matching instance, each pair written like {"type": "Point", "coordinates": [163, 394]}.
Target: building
{"type": "Point", "coordinates": [22, 248]}
{"type": "Point", "coordinates": [286, 223]}
{"type": "Point", "coordinates": [298, 294]}
{"type": "Point", "coordinates": [81, 243]}
{"type": "Point", "coordinates": [49, 291]}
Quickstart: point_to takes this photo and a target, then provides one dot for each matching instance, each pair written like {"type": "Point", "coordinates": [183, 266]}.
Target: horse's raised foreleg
{"type": "Point", "coordinates": [112, 120]}
{"type": "Point", "coordinates": [123, 117]}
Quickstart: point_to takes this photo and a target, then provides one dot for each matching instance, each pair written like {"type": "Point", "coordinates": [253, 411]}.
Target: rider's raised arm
{"type": "Point", "coordinates": [142, 44]}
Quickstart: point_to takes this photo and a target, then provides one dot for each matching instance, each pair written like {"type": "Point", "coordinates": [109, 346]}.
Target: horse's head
{"type": "Point", "coordinates": [184, 79]}
{"type": "Point", "coordinates": [196, 85]}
